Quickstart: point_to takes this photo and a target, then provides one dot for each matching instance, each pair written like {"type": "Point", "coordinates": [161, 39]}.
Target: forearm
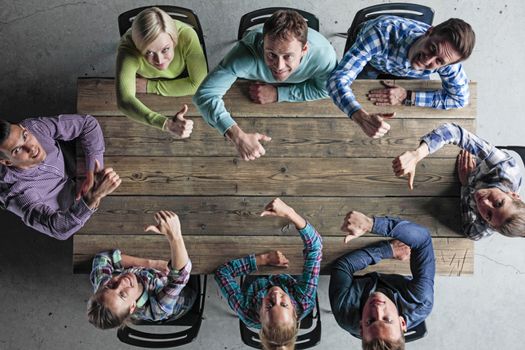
{"type": "Point", "coordinates": [133, 261]}
{"type": "Point", "coordinates": [179, 254]}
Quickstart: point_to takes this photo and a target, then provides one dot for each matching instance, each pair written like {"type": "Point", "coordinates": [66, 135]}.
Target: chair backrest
{"type": "Point", "coordinates": [412, 11]}
{"type": "Point", "coordinates": [192, 319]}
{"type": "Point", "coordinates": [260, 16]}
{"type": "Point", "coordinates": [182, 14]}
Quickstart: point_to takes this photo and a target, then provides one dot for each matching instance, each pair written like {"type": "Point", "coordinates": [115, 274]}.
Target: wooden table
{"type": "Point", "coordinates": [318, 161]}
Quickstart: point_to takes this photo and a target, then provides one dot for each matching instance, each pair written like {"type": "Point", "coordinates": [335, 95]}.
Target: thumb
{"type": "Point", "coordinates": [265, 138]}
{"type": "Point", "coordinates": [411, 180]}
{"type": "Point", "coordinates": [267, 213]}
{"type": "Point", "coordinates": [387, 83]}
{"type": "Point", "coordinates": [180, 114]}
{"type": "Point", "coordinates": [152, 228]}
{"type": "Point", "coordinates": [388, 115]}
{"type": "Point", "coordinates": [348, 238]}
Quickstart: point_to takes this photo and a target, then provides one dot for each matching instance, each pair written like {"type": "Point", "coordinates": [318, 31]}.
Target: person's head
{"type": "Point", "coordinates": [447, 43]}
{"type": "Point", "coordinates": [381, 324]}
{"type": "Point", "coordinates": [114, 301]}
{"type": "Point", "coordinates": [278, 320]}
{"type": "Point", "coordinates": [19, 148]}
{"type": "Point", "coordinates": [285, 42]}
{"type": "Point", "coordinates": [155, 35]}
{"type": "Point", "coordinates": [503, 211]}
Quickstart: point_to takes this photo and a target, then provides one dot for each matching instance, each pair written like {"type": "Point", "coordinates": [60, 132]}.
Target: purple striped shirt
{"type": "Point", "coordinates": [44, 196]}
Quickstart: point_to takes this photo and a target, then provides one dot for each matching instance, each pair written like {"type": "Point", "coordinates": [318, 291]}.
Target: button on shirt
{"type": "Point", "coordinates": [414, 295]}
{"type": "Point", "coordinates": [302, 290]}
{"type": "Point", "coordinates": [44, 196]}
{"type": "Point", "coordinates": [494, 168]}
{"type": "Point", "coordinates": [384, 42]}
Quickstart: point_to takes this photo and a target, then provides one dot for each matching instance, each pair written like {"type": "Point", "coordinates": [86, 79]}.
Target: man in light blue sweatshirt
{"type": "Point", "coordinates": [288, 62]}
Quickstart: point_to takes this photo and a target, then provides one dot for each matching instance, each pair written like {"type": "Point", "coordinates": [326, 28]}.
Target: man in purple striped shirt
{"type": "Point", "coordinates": [34, 183]}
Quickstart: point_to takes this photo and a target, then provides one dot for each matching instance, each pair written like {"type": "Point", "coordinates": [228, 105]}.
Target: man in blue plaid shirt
{"type": "Point", "coordinates": [404, 48]}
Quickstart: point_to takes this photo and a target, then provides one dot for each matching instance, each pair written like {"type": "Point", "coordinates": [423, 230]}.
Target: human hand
{"type": "Point", "coordinates": [141, 85]}
{"type": "Point", "coordinates": [400, 250]}
{"type": "Point", "coordinates": [160, 265]}
{"type": "Point", "coordinates": [262, 93]}
{"type": "Point", "coordinates": [168, 224]}
{"type": "Point", "coordinates": [273, 258]}
{"type": "Point", "coordinates": [405, 165]}
{"type": "Point", "coordinates": [88, 183]}
{"type": "Point", "coordinates": [178, 125]}
{"type": "Point", "coordinates": [356, 224]}
{"type": "Point", "coordinates": [248, 145]}
{"type": "Point", "coordinates": [466, 164]}
{"type": "Point", "coordinates": [105, 182]}
{"type": "Point", "coordinates": [391, 95]}
{"type": "Point", "coordinates": [278, 208]}
{"type": "Point", "coordinates": [372, 124]}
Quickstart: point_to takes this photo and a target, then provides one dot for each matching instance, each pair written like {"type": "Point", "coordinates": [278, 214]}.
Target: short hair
{"type": "Point", "coordinates": [101, 316]}
{"type": "Point", "coordinates": [285, 23]}
{"type": "Point", "coordinates": [459, 33]}
{"type": "Point", "coordinates": [5, 130]}
{"type": "Point", "coordinates": [149, 24]}
{"type": "Point", "coordinates": [381, 344]}
{"type": "Point", "coordinates": [514, 226]}
{"type": "Point", "coordinates": [279, 338]}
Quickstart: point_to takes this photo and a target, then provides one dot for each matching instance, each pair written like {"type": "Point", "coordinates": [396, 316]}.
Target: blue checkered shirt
{"type": "Point", "coordinates": [384, 43]}
{"type": "Point", "coordinates": [495, 168]}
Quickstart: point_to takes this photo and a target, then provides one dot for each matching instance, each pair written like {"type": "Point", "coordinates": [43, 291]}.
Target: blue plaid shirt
{"type": "Point", "coordinates": [384, 43]}
{"type": "Point", "coordinates": [495, 168]}
{"type": "Point", "coordinates": [163, 295]}
{"type": "Point", "coordinates": [302, 290]}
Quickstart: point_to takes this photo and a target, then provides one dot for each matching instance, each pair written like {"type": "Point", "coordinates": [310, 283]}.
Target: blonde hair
{"type": "Point", "coordinates": [514, 226]}
{"type": "Point", "coordinates": [101, 316]}
{"type": "Point", "coordinates": [149, 24]}
{"type": "Point", "coordinates": [280, 338]}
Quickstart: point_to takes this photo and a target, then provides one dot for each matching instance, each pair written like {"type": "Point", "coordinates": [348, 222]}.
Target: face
{"type": "Point", "coordinates": [277, 308]}
{"type": "Point", "coordinates": [494, 205]}
{"type": "Point", "coordinates": [283, 56]}
{"type": "Point", "coordinates": [432, 52]}
{"type": "Point", "coordinates": [380, 319]}
{"type": "Point", "coordinates": [121, 292]}
{"type": "Point", "coordinates": [160, 52]}
{"type": "Point", "coordinates": [22, 149]}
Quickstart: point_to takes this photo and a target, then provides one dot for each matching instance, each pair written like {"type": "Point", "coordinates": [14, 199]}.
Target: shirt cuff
{"type": "Point", "coordinates": [117, 259]}
{"type": "Point", "coordinates": [81, 211]}
{"type": "Point", "coordinates": [90, 161]}
{"type": "Point", "coordinates": [224, 124]}
{"type": "Point", "coordinates": [283, 93]}
{"type": "Point", "coordinates": [385, 250]}
{"type": "Point", "coordinates": [352, 108]}
{"type": "Point", "coordinates": [181, 274]}
{"type": "Point", "coordinates": [252, 263]}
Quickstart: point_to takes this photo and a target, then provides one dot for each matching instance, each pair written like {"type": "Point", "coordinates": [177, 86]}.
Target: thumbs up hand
{"type": "Point", "coordinates": [179, 126]}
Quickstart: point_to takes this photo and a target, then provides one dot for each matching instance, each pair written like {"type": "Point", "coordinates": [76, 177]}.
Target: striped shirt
{"type": "Point", "coordinates": [384, 43]}
{"type": "Point", "coordinates": [495, 168]}
{"type": "Point", "coordinates": [301, 289]}
{"type": "Point", "coordinates": [163, 294]}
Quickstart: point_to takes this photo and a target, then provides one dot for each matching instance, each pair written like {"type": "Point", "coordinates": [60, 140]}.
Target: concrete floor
{"type": "Point", "coordinates": [43, 303]}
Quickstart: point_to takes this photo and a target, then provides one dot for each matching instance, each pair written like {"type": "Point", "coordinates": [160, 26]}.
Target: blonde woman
{"type": "Point", "coordinates": [151, 57]}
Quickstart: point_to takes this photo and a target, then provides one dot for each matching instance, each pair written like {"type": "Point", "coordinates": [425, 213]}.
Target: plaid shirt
{"type": "Point", "coordinates": [162, 296]}
{"type": "Point", "coordinates": [384, 42]}
{"type": "Point", "coordinates": [495, 168]}
{"type": "Point", "coordinates": [302, 290]}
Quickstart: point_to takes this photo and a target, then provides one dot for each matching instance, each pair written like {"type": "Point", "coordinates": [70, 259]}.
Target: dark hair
{"type": "Point", "coordinates": [459, 33]}
{"type": "Point", "coordinates": [100, 316]}
{"type": "Point", "coordinates": [5, 130]}
{"type": "Point", "coordinates": [285, 23]}
{"type": "Point", "coordinates": [381, 344]}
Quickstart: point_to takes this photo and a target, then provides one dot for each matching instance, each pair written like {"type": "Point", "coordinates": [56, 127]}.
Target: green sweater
{"type": "Point", "coordinates": [246, 61]}
{"type": "Point", "coordinates": [188, 55]}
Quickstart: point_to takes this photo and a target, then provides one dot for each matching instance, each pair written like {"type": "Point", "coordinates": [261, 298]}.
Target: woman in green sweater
{"type": "Point", "coordinates": [152, 55]}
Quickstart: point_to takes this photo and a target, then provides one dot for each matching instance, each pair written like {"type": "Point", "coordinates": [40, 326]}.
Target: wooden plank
{"type": "Point", "coordinates": [97, 96]}
{"type": "Point", "coordinates": [454, 257]}
{"type": "Point", "coordinates": [305, 137]}
{"type": "Point", "coordinates": [231, 216]}
{"type": "Point", "coordinates": [279, 177]}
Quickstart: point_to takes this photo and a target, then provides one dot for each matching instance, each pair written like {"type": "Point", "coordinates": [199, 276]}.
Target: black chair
{"type": "Point", "coordinates": [179, 13]}
{"type": "Point", "coordinates": [260, 16]}
{"type": "Point", "coordinates": [193, 319]}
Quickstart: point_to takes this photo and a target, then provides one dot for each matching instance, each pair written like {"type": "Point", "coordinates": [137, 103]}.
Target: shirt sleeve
{"type": "Point", "coordinates": [166, 298]}
{"type": "Point", "coordinates": [85, 128]}
{"type": "Point", "coordinates": [104, 264]}
{"type": "Point", "coordinates": [125, 83]}
{"type": "Point", "coordinates": [225, 278]}
{"type": "Point", "coordinates": [312, 254]}
{"type": "Point", "coordinates": [370, 41]}
{"type": "Point", "coordinates": [195, 65]}
{"type": "Point", "coordinates": [59, 224]}
{"type": "Point", "coordinates": [455, 91]}
{"type": "Point", "coordinates": [209, 96]}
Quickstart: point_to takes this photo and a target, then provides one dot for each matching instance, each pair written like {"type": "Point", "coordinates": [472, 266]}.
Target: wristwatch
{"type": "Point", "coordinates": [409, 100]}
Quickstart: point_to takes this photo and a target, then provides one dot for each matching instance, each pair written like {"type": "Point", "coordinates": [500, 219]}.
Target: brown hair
{"type": "Point", "coordinates": [459, 33]}
{"type": "Point", "coordinates": [381, 344]}
{"type": "Point", "coordinates": [285, 23]}
{"type": "Point", "coordinates": [514, 226]}
{"type": "Point", "coordinates": [279, 338]}
{"type": "Point", "coordinates": [5, 130]}
{"type": "Point", "coordinates": [100, 316]}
